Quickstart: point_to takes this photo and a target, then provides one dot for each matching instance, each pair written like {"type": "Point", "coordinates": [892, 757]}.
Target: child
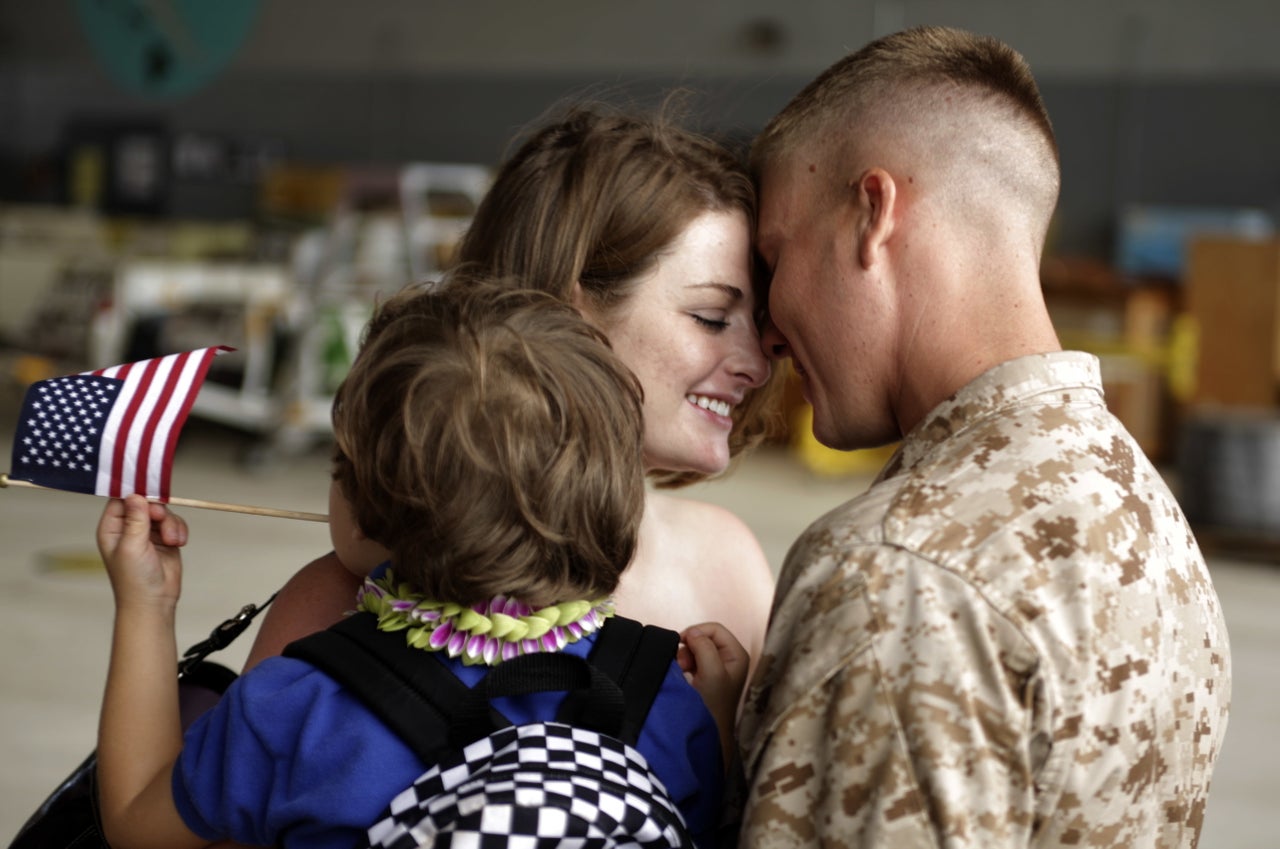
{"type": "Point", "coordinates": [491, 442]}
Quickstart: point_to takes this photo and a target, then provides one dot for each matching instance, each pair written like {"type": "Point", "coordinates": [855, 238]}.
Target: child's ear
{"type": "Point", "coordinates": [357, 552]}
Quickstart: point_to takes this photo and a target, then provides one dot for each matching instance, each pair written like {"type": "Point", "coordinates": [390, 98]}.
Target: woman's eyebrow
{"type": "Point", "coordinates": [729, 289]}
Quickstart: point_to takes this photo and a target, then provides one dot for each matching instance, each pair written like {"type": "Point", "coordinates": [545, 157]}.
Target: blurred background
{"type": "Point", "coordinates": [182, 173]}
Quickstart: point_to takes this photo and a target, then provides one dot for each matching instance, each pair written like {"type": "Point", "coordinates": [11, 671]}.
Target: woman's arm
{"type": "Point", "coordinates": [313, 599]}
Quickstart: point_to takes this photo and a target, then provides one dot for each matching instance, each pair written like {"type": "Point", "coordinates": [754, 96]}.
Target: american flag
{"type": "Point", "coordinates": [112, 431]}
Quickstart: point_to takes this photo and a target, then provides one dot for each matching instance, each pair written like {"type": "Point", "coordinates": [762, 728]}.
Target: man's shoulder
{"type": "Point", "coordinates": [1026, 465]}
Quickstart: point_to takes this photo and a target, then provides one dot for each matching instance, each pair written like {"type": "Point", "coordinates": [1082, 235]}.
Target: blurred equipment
{"type": "Point", "coordinates": [1229, 446]}
{"type": "Point", "coordinates": [1229, 467]}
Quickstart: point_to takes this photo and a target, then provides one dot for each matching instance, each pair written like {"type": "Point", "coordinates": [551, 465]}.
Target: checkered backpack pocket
{"type": "Point", "coordinates": [576, 781]}
{"type": "Point", "coordinates": [536, 785]}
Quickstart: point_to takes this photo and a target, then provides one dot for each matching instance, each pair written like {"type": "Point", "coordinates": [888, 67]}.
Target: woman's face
{"type": "Point", "coordinates": [688, 332]}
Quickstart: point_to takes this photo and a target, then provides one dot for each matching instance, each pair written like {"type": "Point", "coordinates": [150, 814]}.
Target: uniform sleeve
{"type": "Point", "coordinates": [893, 712]}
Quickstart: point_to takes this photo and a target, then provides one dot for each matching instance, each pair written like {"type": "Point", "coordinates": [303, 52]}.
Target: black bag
{"type": "Point", "coordinates": [576, 779]}
{"type": "Point", "coordinates": [69, 819]}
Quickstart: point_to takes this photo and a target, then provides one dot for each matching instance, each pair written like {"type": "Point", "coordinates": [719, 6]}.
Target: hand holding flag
{"type": "Point", "coordinates": [113, 431]}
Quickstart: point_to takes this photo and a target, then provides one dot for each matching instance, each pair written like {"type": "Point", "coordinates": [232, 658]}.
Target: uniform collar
{"type": "Point", "coordinates": [995, 390]}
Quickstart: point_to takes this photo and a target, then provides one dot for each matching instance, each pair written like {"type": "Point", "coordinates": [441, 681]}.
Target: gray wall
{"type": "Point", "coordinates": [1164, 101]}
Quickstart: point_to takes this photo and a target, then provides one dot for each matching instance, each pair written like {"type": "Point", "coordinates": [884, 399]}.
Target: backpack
{"type": "Point", "coordinates": [577, 779]}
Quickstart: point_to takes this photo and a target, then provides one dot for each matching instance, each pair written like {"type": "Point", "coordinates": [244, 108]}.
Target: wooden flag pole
{"type": "Point", "coordinates": [6, 481]}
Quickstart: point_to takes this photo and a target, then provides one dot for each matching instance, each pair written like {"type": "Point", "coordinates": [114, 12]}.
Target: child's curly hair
{"type": "Point", "coordinates": [491, 440]}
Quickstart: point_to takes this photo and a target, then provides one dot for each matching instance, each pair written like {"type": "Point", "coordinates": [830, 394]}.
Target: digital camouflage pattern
{"type": "Point", "coordinates": [1011, 639]}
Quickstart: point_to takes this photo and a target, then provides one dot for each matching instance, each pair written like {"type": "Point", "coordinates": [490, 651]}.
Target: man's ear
{"type": "Point", "coordinates": [876, 196]}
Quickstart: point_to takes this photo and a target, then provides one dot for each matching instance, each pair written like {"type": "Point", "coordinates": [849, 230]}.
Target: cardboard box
{"type": "Point", "coordinates": [1233, 298]}
{"type": "Point", "coordinates": [1153, 240]}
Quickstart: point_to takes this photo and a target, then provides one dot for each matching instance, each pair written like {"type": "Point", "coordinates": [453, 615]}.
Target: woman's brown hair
{"type": "Point", "coordinates": [592, 198]}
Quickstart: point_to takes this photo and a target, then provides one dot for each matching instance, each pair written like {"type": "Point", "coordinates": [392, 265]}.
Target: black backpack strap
{"type": "Point", "coordinates": [396, 681]}
{"type": "Point", "coordinates": [637, 657]}
{"type": "Point", "coordinates": [399, 682]}
{"type": "Point", "coordinates": [544, 673]}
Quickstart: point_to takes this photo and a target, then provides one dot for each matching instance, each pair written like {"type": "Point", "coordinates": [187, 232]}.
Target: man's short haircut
{"type": "Point", "coordinates": [922, 78]}
{"type": "Point", "coordinates": [488, 436]}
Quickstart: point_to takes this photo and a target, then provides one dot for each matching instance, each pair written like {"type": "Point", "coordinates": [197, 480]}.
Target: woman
{"type": "Point", "coordinates": [646, 228]}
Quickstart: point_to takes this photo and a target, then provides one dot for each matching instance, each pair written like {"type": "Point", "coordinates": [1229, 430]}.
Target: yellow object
{"type": "Point", "coordinates": [29, 369]}
{"type": "Point", "coordinates": [70, 561]}
{"type": "Point", "coordinates": [87, 170]}
{"type": "Point", "coordinates": [1184, 345]}
{"type": "Point", "coordinates": [822, 460]}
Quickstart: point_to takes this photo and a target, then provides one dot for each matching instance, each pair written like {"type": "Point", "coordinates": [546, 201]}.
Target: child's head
{"type": "Point", "coordinates": [490, 439]}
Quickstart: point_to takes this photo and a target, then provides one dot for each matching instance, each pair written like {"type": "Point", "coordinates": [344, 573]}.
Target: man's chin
{"type": "Point", "coordinates": [829, 436]}
{"type": "Point", "coordinates": [841, 440]}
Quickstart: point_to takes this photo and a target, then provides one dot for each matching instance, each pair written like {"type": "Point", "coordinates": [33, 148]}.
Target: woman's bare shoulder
{"type": "Point", "coordinates": [721, 558]}
{"type": "Point", "coordinates": [704, 524]}
{"type": "Point", "coordinates": [714, 543]}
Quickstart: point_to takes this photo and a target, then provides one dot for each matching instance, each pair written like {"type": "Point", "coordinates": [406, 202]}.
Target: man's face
{"type": "Point", "coordinates": [826, 311]}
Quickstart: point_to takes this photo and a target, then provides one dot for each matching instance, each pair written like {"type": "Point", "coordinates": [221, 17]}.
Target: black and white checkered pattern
{"type": "Point", "coordinates": [531, 787]}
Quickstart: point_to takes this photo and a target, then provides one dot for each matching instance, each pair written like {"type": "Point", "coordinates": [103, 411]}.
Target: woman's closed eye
{"type": "Point", "coordinates": [713, 324]}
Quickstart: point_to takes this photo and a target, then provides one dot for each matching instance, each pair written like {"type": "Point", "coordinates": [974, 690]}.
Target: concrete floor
{"type": "Point", "coordinates": [55, 607]}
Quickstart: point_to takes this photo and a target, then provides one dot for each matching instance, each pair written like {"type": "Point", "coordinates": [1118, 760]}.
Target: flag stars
{"type": "Point", "coordinates": [65, 420]}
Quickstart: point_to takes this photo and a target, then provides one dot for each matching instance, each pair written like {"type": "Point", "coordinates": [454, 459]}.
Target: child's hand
{"type": "Point", "coordinates": [715, 663]}
{"type": "Point", "coordinates": [139, 544]}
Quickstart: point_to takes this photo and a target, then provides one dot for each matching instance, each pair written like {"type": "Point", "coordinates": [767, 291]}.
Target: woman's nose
{"type": "Point", "coordinates": [750, 362]}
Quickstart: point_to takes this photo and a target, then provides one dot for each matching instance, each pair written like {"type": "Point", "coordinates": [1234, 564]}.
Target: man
{"type": "Point", "coordinates": [1011, 638]}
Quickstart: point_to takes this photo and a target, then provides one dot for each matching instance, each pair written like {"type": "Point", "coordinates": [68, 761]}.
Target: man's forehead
{"type": "Point", "coordinates": [786, 187]}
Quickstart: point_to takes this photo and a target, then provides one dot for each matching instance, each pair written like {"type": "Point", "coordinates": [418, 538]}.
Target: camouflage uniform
{"type": "Point", "coordinates": [1011, 639]}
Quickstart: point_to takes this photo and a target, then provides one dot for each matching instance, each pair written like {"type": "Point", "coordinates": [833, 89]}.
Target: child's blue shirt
{"type": "Point", "coordinates": [288, 757]}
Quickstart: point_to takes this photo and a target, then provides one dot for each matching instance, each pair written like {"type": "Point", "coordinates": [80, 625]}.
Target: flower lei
{"type": "Point", "coordinates": [488, 632]}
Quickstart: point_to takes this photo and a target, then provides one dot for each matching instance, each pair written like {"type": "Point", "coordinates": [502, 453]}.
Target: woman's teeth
{"type": "Point", "coordinates": [721, 408]}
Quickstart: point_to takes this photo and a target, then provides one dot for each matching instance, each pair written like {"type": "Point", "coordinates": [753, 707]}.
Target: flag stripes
{"type": "Point", "coordinates": [145, 403]}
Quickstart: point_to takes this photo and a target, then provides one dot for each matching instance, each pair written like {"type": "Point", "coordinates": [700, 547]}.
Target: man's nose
{"type": "Point", "coordinates": [773, 343]}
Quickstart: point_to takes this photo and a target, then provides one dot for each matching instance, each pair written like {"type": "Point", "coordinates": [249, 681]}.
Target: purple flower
{"type": "Point", "coordinates": [440, 636]}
